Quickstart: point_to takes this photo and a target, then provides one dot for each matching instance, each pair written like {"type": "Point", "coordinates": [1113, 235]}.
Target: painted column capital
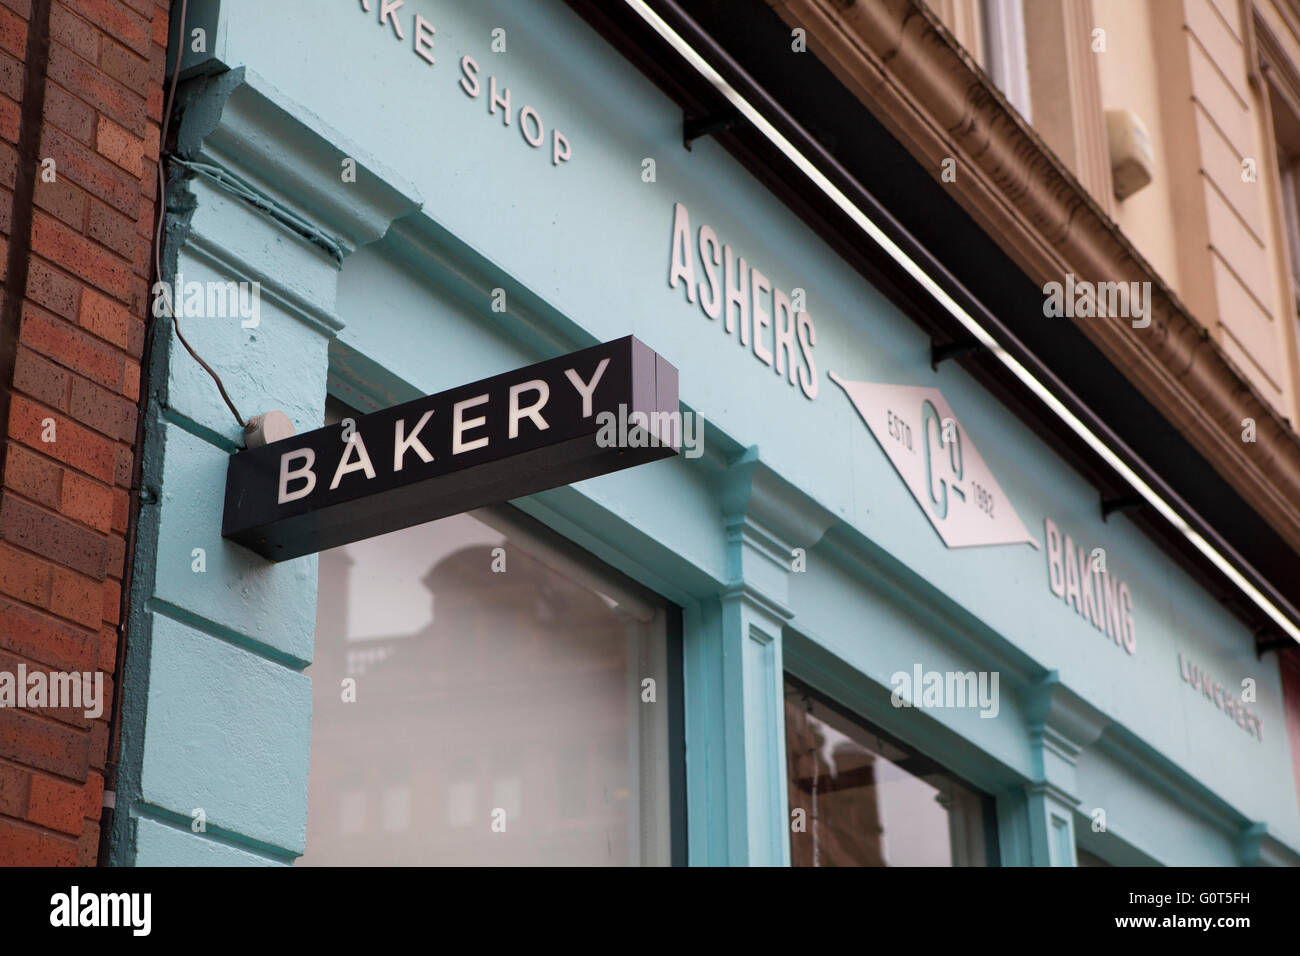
{"type": "Point", "coordinates": [295, 163]}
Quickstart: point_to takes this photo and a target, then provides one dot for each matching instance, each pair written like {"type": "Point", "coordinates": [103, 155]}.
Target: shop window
{"type": "Point", "coordinates": [501, 711]}
{"type": "Point", "coordinates": [867, 800]}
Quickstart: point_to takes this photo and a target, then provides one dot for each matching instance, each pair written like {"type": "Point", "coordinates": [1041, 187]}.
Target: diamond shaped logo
{"type": "Point", "coordinates": [937, 460]}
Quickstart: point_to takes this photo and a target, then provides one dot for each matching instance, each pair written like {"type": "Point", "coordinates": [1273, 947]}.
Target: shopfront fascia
{"type": "Point", "coordinates": [411, 181]}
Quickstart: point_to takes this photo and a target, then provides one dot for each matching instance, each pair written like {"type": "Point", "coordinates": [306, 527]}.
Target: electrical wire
{"type": "Point", "coordinates": [162, 214]}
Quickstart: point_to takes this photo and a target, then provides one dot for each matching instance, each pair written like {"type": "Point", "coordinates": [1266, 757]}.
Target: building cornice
{"type": "Point", "coordinates": [904, 66]}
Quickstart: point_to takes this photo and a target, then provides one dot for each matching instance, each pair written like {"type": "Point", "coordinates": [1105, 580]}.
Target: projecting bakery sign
{"type": "Point", "coordinates": [938, 462]}
{"type": "Point", "coordinates": [515, 434]}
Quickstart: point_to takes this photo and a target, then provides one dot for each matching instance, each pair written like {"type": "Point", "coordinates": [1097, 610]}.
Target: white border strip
{"type": "Point", "coordinates": [864, 223]}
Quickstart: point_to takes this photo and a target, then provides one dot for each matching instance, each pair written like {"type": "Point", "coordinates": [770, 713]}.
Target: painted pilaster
{"type": "Point", "coordinates": [1061, 725]}
{"type": "Point", "coordinates": [765, 520]}
{"type": "Point", "coordinates": [217, 712]}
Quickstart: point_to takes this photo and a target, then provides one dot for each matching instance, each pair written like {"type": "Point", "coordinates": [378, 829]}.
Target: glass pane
{"type": "Point", "coordinates": [867, 801]}
{"type": "Point", "coordinates": [497, 717]}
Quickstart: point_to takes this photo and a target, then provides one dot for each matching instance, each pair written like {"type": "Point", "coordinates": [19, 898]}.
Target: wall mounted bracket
{"type": "Point", "coordinates": [695, 127]}
{"type": "Point", "coordinates": [1125, 503]}
{"type": "Point", "coordinates": [939, 353]}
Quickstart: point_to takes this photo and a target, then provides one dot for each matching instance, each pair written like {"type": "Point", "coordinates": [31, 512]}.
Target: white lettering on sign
{"type": "Point", "coordinates": [938, 462]}
{"type": "Point", "coordinates": [1085, 584]}
{"type": "Point", "coordinates": [531, 127]}
{"type": "Point", "coordinates": [1222, 697]}
{"type": "Point", "coordinates": [533, 411]}
{"type": "Point", "coordinates": [401, 445]}
{"type": "Point", "coordinates": [287, 474]}
{"type": "Point", "coordinates": [459, 425]}
{"type": "Point", "coordinates": [741, 295]}
{"type": "Point", "coordinates": [392, 18]}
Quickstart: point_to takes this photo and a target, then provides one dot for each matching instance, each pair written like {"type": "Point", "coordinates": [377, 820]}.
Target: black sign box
{"type": "Point", "coordinates": [504, 437]}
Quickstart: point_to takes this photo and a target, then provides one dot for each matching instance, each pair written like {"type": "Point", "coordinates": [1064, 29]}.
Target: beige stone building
{"type": "Point", "coordinates": [1214, 86]}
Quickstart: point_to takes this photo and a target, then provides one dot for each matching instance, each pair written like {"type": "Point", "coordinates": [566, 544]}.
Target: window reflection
{"type": "Point", "coordinates": [497, 715]}
{"type": "Point", "coordinates": [867, 801]}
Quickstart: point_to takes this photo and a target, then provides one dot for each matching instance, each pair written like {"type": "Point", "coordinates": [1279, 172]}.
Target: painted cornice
{"type": "Point", "coordinates": [900, 61]}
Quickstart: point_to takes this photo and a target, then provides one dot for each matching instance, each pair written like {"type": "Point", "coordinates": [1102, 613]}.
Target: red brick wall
{"type": "Point", "coordinates": [79, 336]}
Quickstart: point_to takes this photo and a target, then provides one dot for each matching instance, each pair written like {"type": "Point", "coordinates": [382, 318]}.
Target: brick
{"type": "Point", "coordinates": [91, 171]}
{"type": "Point", "coordinates": [56, 804]}
{"type": "Point", "coordinates": [8, 164]}
{"type": "Point", "coordinates": [131, 70]}
{"type": "Point", "coordinates": [152, 143]}
{"type": "Point", "coordinates": [21, 7]}
{"type": "Point", "coordinates": [69, 114]}
{"type": "Point", "coordinates": [144, 222]}
{"type": "Point", "coordinates": [33, 477]}
{"type": "Point", "coordinates": [131, 380]}
{"type": "Point", "coordinates": [108, 650]}
{"type": "Point", "coordinates": [112, 229]}
{"type": "Point", "coordinates": [101, 91]}
{"type": "Point", "coordinates": [75, 33]}
{"type": "Point", "coordinates": [52, 536]}
{"type": "Point", "coordinates": [43, 744]}
{"type": "Point", "coordinates": [140, 302]}
{"type": "Point", "coordinates": [40, 637]}
{"type": "Point", "coordinates": [111, 595]}
{"type": "Point", "coordinates": [72, 348]}
{"type": "Point", "coordinates": [115, 143]}
{"type": "Point", "coordinates": [87, 501]}
{"type": "Point", "coordinates": [40, 378]}
{"type": "Point", "coordinates": [64, 247]}
{"type": "Point", "coordinates": [102, 410]}
{"type": "Point", "coordinates": [105, 318]}
{"type": "Point", "coordinates": [13, 33]}
{"type": "Point", "coordinates": [62, 199]}
{"type": "Point", "coordinates": [117, 20]}
{"type": "Point", "coordinates": [121, 508]}
{"type": "Point", "coordinates": [160, 27]}
{"type": "Point", "coordinates": [115, 557]}
{"type": "Point", "coordinates": [10, 118]}
{"type": "Point", "coordinates": [88, 844]}
{"type": "Point", "coordinates": [76, 597]}
{"type": "Point", "coordinates": [52, 289]}
{"type": "Point", "coordinates": [92, 796]}
{"type": "Point", "coordinates": [154, 104]}
{"type": "Point", "coordinates": [15, 785]}
{"type": "Point", "coordinates": [123, 466]}
{"type": "Point", "coordinates": [11, 76]}
{"type": "Point", "coordinates": [25, 845]}
{"type": "Point", "coordinates": [23, 577]}
{"type": "Point", "coordinates": [99, 734]}
{"type": "Point", "coordinates": [78, 447]}
{"type": "Point", "coordinates": [135, 333]}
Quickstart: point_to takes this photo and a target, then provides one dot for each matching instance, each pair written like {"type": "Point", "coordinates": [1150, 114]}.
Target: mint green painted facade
{"type": "Point", "coordinates": [383, 290]}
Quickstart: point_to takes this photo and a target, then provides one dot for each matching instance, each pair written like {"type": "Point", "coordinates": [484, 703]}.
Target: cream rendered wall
{"type": "Point", "coordinates": [1231, 128]}
{"type": "Point", "coordinates": [1151, 218]}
